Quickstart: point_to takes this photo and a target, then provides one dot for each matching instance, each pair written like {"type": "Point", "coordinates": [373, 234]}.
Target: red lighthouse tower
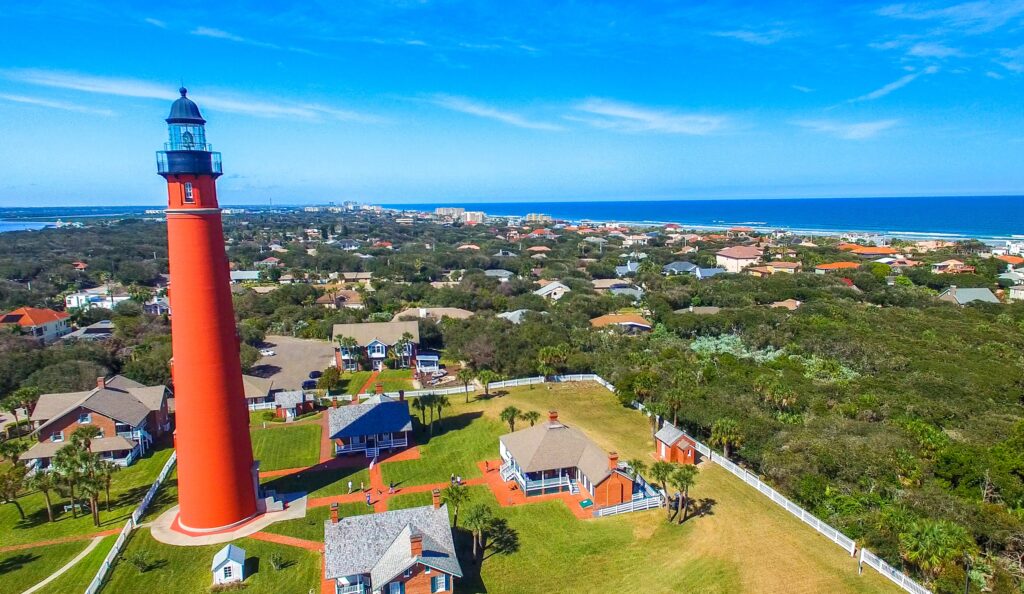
{"type": "Point", "coordinates": [217, 484]}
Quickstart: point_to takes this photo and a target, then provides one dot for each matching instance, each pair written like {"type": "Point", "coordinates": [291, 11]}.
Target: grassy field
{"type": "Point", "coordinates": [355, 380]}
{"type": "Point", "coordinates": [295, 446]}
{"type": "Point", "coordinates": [319, 484]}
{"type": "Point", "coordinates": [742, 542]}
{"type": "Point", "coordinates": [78, 577]}
{"type": "Point", "coordinates": [128, 488]}
{"type": "Point", "coordinates": [393, 380]}
{"type": "Point", "coordinates": [20, 570]}
{"type": "Point", "coordinates": [312, 526]}
{"type": "Point", "coordinates": [187, 569]}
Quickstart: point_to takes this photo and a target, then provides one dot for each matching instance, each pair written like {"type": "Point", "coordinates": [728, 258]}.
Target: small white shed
{"type": "Point", "coordinates": [228, 565]}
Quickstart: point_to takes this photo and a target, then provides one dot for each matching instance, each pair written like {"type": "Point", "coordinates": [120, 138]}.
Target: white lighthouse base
{"type": "Point", "coordinates": [167, 529]}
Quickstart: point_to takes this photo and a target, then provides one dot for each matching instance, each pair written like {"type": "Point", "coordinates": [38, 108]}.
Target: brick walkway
{"type": "Point", "coordinates": [290, 541]}
{"type": "Point", "coordinates": [326, 445]}
{"type": "Point", "coordinates": [509, 495]}
{"type": "Point", "coordinates": [43, 543]}
{"type": "Point", "coordinates": [367, 387]}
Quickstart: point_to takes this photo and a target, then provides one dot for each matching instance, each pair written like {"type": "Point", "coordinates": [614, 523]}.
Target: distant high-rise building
{"type": "Point", "coordinates": [534, 217]}
{"type": "Point", "coordinates": [217, 478]}
{"type": "Point", "coordinates": [449, 211]}
{"type": "Point", "coordinates": [473, 216]}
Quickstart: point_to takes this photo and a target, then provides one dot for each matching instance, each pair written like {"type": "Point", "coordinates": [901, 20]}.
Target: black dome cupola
{"type": "Point", "coordinates": [185, 110]}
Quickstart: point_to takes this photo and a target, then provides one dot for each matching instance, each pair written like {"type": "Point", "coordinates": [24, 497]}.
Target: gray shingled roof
{"type": "Point", "coordinates": [256, 387]}
{"type": "Point", "coordinates": [47, 449]}
{"type": "Point", "coordinates": [290, 399]}
{"type": "Point", "coordinates": [669, 434]}
{"type": "Point", "coordinates": [378, 544]}
{"type": "Point", "coordinates": [552, 445]}
{"type": "Point", "coordinates": [122, 399]}
{"type": "Point", "coordinates": [387, 332]}
{"type": "Point", "coordinates": [679, 267]}
{"type": "Point", "coordinates": [379, 414]}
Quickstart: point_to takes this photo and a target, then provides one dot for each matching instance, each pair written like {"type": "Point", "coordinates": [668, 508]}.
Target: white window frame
{"type": "Point", "coordinates": [87, 419]}
{"type": "Point", "coordinates": [439, 586]}
{"type": "Point", "coordinates": [395, 588]}
{"type": "Point", "coordinates": [189, 196]}
{"type": "Point", "coordinates": [57, 437]}
{"type": "Point", "coordinates": [407, 574]}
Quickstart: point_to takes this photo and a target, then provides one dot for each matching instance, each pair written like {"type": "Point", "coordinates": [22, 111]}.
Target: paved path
{"type": "Point", "coordinates": [289, 541]}
{"type": "Point", "coordinates": [92, 545]}
{"type": "Point", "coordinates": [326, 444]}
{"type": "Point", "coordinates": [368, 386]}
{"type": "Point", "coordinates": [43, 543]}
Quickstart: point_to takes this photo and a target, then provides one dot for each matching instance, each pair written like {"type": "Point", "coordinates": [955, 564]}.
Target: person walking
{"type": "Point", "coordinates": [350, 487]}
{"type": "Point", "coordinates": [368, 503]}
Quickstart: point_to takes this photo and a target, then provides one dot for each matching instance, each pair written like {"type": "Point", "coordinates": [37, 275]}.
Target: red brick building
{"type": "Point", "coordinates": [674, 445]}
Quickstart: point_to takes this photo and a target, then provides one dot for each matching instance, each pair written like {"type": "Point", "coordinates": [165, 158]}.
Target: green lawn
{"type": "Point", "coordinates": [187, 569]}
{"type": "Point", "coordinates": [77, 578]}
{"type": "Point", "coordinates": [319, 484]}
{"type": "Point", "coordinates": [355, 381]}
{"type": "Point", "coordinates": [20, 570]}
{"type": "Point", "coordinates": [128, 488]}
{"type": "Point", "coordinates": [294, 446]}
{"type": "Point", "coordinates": [396, 379]}
{"type": "Point", "coordinates": [312, 526]}
{"type": "Point", "coordinates": [461, 439]}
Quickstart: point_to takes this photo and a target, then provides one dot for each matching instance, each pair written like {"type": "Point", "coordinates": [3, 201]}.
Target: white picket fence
{"type": "Point", "coordinates": [514, 383]}
{"type": "Point", "coordinates": [122, 538]}
{"type": "Point", "coordinates": [629, 506]}
{"type": "Point", "coordinates": [896, 576]}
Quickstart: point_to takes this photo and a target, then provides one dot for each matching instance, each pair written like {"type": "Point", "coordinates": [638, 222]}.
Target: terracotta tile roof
{"type": "Point", "coordinates": [1015, 260]}
{"type": "Point", "coordinates": [874, 251]}
{"type": "Point", "coordinates": [28, 317]}
{"type": "Point", "coordinates": [837, 266]}
{"type": "Point", "coordinates": [619, 319]}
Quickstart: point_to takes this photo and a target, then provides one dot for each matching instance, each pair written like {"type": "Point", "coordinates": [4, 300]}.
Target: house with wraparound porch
{"type": "Point", "coordinates": [379, 423]}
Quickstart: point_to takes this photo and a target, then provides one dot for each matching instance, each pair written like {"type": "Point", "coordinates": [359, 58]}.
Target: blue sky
{"type": "Point", "coordinates": [486, 101]}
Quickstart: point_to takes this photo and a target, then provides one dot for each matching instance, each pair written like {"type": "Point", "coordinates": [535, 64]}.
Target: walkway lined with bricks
{"type": "Point", "coordinates": [326, 444]}
{"type": "Point", "coordinates": [367, 387]}
{"type": "Point", "coordinates": [45, 543]}
{"type": "Point", "coordinates": [289, 541]}
{"type": "Point", "coordinates": [509, 494]}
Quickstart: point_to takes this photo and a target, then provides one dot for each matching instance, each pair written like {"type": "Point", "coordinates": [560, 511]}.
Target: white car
{"type": "Point", "coordinates": [267, 353]}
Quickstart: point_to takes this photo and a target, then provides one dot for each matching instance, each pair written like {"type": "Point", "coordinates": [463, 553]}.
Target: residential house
{"type": "Point", "coordinates": [774, 267]}
{"type": "Point", "coordinates": [739, 232]}
{"type": "Point", "coordinates": [432, 313]}
{"type": "Point", "coordinates": [101, 330]}
{"type": "Point", "coordinates": [1012, 277]}
{"type": "Point", "coordinates": [1011, 260]}
{"type": "Point", "coordinates": [607, 284]}
{"type": "Point", "coordinates": [871, 251]}
{"type": "Point", "coordinates": [338, 298]}
{"type": "Point", "coordinates": [674, 268]}
{"type": "Point", "coordinates": [634, 293]}
{"type": "Point", "coordinates": [951, 267]}
{"type": "Point", "coordinates": [539, 249]}
{"type": "Point", "coordinates": [357, 277]}
{"type": "Point", "coordinates": [734, 259]}
{"type": "Point", "coordinates": [379, 422]}
{"type": "Point", "coordinates": [790, 304]}
{"type": "Point", "coordinates": [244, 276]}
{"type": "Point", "coordinates": [675, 445]}
{"type": "Point", "coordinates": [376, 340]}
{"type": "Point", "coordinates": [1015, 293]}
{"type": "Point", "coordinates": [505, 254]}
{"type": "Point", "coordinates": [628, 323]}
{"type": "Point", "coordinates": [517, 316]}
{"type": "Point", "coordinates": [228, 565]}
{"type": "Point", "coordinates": [468, 247]}
{"type": "Point", "coordinates": [836, 266]}
{"type": "Point", "coordinates": [964, 296]}
{"type": "Point", "coordinates": [551, 457]}
{"type": "Point", "coordinates": [629, 269]}
{"type": "Point", "coordinates": [428, 361]}
{"type": "Point", "coordinates": [293, 403]}
{"type": "Point", "coordinates": [44, 325]}
{"type": "Point", "coordinates": [130, 418]}
{"type": "Point", "coordinates": [269, 262]}
{"type": "Point", "coordinates": [551, 290]}
{"type": "Point", "coordinates": [402, 551]}
{"type": "Point", "coordinates": [500, 274]}
{"type": "Point", "coordinates": [703, 273]}
{"type": "Point", "coordinates": [103, 297]}
{"type": "Point", "coordinates": [257, 390]}
{"type": "Point", "coordinates": [348, 245]}
{"type": "Point", "coordinates": [634, 240]}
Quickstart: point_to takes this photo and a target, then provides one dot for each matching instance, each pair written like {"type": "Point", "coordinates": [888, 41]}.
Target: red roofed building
{"type": "Point", "coordinates": [833, 266]}
{"type": "Point", "coordinates": [736, 258]}
{"type": "Point", "coordinates": [45, 325]}
{"type": "Point", "coordinates": [875, 251]}
{"type": "Point", "coordinates": [1011, 260]}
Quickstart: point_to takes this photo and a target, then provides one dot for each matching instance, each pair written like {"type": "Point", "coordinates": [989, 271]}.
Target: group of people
{"type": "Point", "coordinates": [369, 492]}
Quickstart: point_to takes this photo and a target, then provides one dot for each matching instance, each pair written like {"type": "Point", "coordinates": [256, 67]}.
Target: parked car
{"type": "Point", "coordinates": [267, 352]}
{"type": "Point", "coordinates": [315, 374]}
{"type": "Point", "coordinates": [309, 385]}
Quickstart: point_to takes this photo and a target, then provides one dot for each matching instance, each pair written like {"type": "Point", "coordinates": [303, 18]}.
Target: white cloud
{"type": "Point", "coordinates": [226, 36]}
{"type": "Point", "coordinates": [802, 88]}
{"type": "Point", "coordinates": [848, 131]}
{"type": "Point", "coordinates": [976, 16]}
{"type": "Point", "coordinates": [155, 22]}
{"type": "Point", "coordinates": [124, 87]}
{"type": "Point", "coordinates": [1013, 59]}
{"type": "Point", "coordinates": [894, 85]}
{"type": "Point", "coordinates": [755, 37]}
{"type": "Point", "coordinates": [624, 117]}
{"type": "Point", "coordinates": [933, 50]}
{"type": "Point", "coordinates": [62, 105]}
{"type": "Point", "coordinates": [471, 107]}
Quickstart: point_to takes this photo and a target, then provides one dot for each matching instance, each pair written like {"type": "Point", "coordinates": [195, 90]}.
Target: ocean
{"type": "Point", "coordinates": [952, 217]}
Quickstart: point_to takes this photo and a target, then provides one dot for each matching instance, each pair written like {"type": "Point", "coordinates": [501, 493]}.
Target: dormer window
{"type": "Point", "coordinates": [84, 418]}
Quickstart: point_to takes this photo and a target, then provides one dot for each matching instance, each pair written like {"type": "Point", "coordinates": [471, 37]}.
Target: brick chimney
{"type": "Point", "coordinates": [334, 513]}
{"type": "Point", "coordinates": [379, 388]}
{"type": "Point", "coordinates": [436, 494]}
{"type": "Point", "coordinates": [416, 545]}
{"type": "Point", "coordinates": [101, 382]}
{"type": "Point", "coordinates": [552, 416]}
{"type": "Point", "coordinates": [613, 460]}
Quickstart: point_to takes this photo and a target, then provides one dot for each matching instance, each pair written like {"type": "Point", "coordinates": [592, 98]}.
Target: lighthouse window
{"type": "Point", "coordinates": [189, 198]}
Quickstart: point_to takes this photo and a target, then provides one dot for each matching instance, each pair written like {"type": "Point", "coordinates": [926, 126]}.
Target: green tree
{"type": "Point", "coordinates": [105, 474]}
{"type": "Point", "coordinates": [349, 345]}
{"type": "Point", "coordinates": [478, 517]}
{"type": "Point", "coordinates": [636, 468]}
{"type": "Point", "coordinates": [82, 436]}
{"type": "Point", "coordinates": [12, 449]}
{"type": "Point", "coordinates": [510, 414]}
{"type": "Point", "coordinates": [440, 402]}
{"type": "Point", "coordinates": [45, 483]}
{"type": "Point", "coordinates": [466, 376]}
{"type": "Point", "coordinates": [726, 433]}
{"type": "Point", "coordinates": [661, 471]}
{"type": "Point", "coordinates": [420, 405]}
{"type": "Point", "coordinates": [12, 482]}
{"type": "Point", "coordinates": [682, 479]}
{"type": "Point", "coordinates": [531, 417]}
{"type": "Point", "coordinates": [455, 496]}
{"type": "Point", "coordinates": [485, 377]}
{"type": "Point", "coordinates": [930, 545]}
{"type": "Point", "coordinates": [70, 463]}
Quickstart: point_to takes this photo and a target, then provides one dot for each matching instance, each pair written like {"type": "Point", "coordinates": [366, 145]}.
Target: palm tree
{"type": "Point", "coordinates": [347, 344]}
{"type": "Point", "coordinates": [455, 496]}
{"type": "Point", "coordinates": [420, 405]}
{"type": "Point", "coordinates": [725, 433]}
{"type": "Point", "coordinates": [11, 449]}
{"type": "Point", "coordinates": [682, 479]}
{"type": "Point", "coordinates": [932, 544]}
{"type": "Point", "coordinates": [440, 402]}
{"type": "Point", "coordinates": [551, 358]}
{"type": "Point", "coordinates": [105, 474]}
{"type": "Point", "coordinates": [661, 471]}
{"type": "Point", "coordinates": [91, 487]}
{"type": "Point", "coordinates": [84, 435]}
{"type": "Point", "coordinates": [465, 375]}
{"type": "Point", "coordinates": [636, 467]}
{"type": "Point", "coordinates": [530, 416]}
{"type": "Point", "coordinates": [509, 415]}
{"type": "Point", "coordinates": [12, 481]}
{"type": "Point", "coordinates": [478, 517]}
{"type": "Point", "coordinates": [70, 463]}
{"type": "Point", "coordinates": [486, 376]}
{"type": "Point", "coordinates": [45, 483]}
{"type": "Point", "coordinates": [428, 400]}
